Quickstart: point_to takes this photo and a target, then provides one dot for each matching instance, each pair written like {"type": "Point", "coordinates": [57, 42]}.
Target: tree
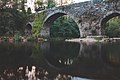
{"type": "Point", "coordinates": [38, 23]}
{"type": "Point", "coordinates": [11, 19]}
{"type": "Point", "coordinates": [51, 3]}
{"type": "Point", "coordinates": [93, 31]}
{"type": "Point", "coordinates": [39, 5]}
{"type": "Point", "coordinates": [113, 27]}
{"type": "Point", "coordinates": [23, 7]}
{"type": "Point", "coordinates": [64, 27]}
{"type": "Point", "coordinates": [29, 11]}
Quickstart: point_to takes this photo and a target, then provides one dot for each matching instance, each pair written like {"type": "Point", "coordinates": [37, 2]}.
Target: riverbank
{"type": "Point", "coordinates": [81, 40]}
{"type": "Point", "coordinates": [93, 40]}
{"type": "Point", "coordinates": [89, 39]}
{"type": "Point", "coordinates": [22, 39]}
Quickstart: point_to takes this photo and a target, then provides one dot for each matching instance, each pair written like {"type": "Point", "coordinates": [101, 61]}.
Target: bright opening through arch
{"type": "Point", "coordinates": [64, 26]}
{"type": "Point", "coordinates": [111, 25]}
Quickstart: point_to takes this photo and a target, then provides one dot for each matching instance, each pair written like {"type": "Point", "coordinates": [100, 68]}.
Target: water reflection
{"type": "Point", "coordinates": [87, 60]}
{"type": "Point", "coordinates": [111, 54]}
{"type": "Point", "coordinates": [59, 61]}
{"type": "Point", "coordinates": [62, 54]}
{"type": "Point", "coordinates": [78, 78]}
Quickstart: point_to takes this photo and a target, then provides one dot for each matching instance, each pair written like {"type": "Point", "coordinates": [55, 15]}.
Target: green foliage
{"type": "Point", "coordinates": [29, 11]}
{"type": "Point", "coordinates": [93, 31]}
{"type": "Point", "coordinates": [30, 38]}
{"type": "Point", "coordinates": [39, 3]}
{"type": "Point", "coordinates": [64, 27]}
{"type": "Point", "coordinates": [38, 23]}
{"type": "Point", "coordinates": [23, 7]}
{"type": "Point", "coordinates": [17, 37]}
{"type": "Point", "coordinates": [51, 3]}
{"type": "Point", "coordinates": [113, 28]}
{"type": "Point", "coordinates": [11, 19]}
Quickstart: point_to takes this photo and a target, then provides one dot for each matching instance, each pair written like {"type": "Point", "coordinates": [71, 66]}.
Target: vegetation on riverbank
{"type": "Point", "coordinates": [18, 38]}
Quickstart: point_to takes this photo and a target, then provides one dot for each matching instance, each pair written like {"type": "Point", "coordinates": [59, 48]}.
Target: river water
{"type": "Point", "coordinates": [60, 61]}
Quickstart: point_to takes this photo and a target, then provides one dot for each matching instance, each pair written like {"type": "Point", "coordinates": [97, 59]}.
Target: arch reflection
{"type": "Point", "coordinates": [89, 60]}
{"type": "Point", "coordinates": [62, 54]}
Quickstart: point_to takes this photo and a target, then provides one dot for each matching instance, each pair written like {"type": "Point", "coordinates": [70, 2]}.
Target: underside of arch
{"type": "Point", "coordinates": [29, 26]}
{"type": "Point", "coordinates": [52, 18]}
{"type": "Point", "coordinates": [48, 22]}
{"type": "Point", "coordinates": [106, 19]}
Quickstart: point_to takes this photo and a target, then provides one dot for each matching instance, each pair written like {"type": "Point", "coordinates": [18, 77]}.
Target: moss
{"type": "Point", "coordinates": [38, 23]}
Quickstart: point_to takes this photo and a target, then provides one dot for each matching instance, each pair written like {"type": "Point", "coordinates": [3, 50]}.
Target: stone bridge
{"type": "Point", "coordinates": [88, 16]}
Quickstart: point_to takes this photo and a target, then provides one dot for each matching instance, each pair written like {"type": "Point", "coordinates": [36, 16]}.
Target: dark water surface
{"type": "Point", "coordinates": [60, 61]}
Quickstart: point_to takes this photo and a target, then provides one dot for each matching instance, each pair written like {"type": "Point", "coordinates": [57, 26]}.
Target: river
{"type": "Point", "coordinates": [60, 61]}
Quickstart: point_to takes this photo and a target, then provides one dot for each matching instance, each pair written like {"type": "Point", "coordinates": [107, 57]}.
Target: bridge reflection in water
{"type": "Point", "coordinates": [87, 60]}
{"type": "Point", "coordinates": [61, 60]}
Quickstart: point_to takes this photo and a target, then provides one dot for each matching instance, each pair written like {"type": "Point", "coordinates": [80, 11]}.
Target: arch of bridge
{"type": "Point", "coordinates": [88, 16]}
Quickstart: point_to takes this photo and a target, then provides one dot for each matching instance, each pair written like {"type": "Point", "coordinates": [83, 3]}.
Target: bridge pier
{"type": "Point", "coordinates": [84, 29]}
{"type": "Point", "coordinates": [45, 32]}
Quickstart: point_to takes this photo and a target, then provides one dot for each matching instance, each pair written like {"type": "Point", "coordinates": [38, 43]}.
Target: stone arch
{"type": "Point", "coordinates": [50, 19]}
{"type": "Point", "coordinates": [28, 28]}
{"type": "Point", "coordinates": [106, 18]}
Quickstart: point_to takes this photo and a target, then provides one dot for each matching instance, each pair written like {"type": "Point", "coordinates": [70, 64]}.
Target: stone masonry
{"type": "Point", "coordinates": [88, 16]}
